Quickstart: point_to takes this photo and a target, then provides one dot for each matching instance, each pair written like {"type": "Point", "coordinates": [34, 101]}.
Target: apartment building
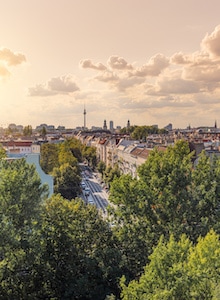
{"type": "Point", "coordinates": [30, 151]}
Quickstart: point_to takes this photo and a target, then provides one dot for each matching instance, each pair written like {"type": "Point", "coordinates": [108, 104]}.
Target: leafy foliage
{"type": "Point", "coordinates": [78, 250]}
{"type": "Point", "coordinates": [141, 132]}
{"type": "Point", "coordinates": [49, 157]}
{"type": "Point", "coordinates": [171, 197]}
{"type": "Point", "coordinates": [101, 167]}
{"type": "Point", "coordinates": [21, 194]}
{"type": "Point", "coordinates": [89, 154]}
{"type": "Point", "coordinates": [54, 248]}
{"type": "Point", "coordinates": [27, 131]}
{"type": "Point", "coordinates": [179, 270]}
{"type": "Point", "coordinates": [67, 181]}
{"type": "Point", "coordinates": [2, 152]}
{"type": "Point", "coordinates": [62, 161]}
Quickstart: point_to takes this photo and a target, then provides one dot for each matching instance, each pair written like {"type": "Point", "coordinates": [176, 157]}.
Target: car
{"type": "Point", "coordinates": [90, 201]}
{"type": "Point", "coordinates": [83, 185]}
{"type": "Point", "coordinates": [87, 191]}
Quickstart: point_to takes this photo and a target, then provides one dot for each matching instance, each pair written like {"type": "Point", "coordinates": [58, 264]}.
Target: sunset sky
{"type": "Point", "coordinates": [147, 61]}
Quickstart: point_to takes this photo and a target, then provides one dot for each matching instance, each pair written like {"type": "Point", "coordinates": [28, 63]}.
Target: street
{"type": "Point", "coordinates": [97, 196]}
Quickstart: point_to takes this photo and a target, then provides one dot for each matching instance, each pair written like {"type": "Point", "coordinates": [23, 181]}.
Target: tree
{"type": "Point", "coordinates": [206, 194]}
{"type": "Point", "coordinates": [179, 270]}
{"type": "Point", "coordinates": [49, 157]}
{"type": "Point", "coordinates": [67, 181]}
{"type": "Point", "coordinates": [20, 192]}
{"type": "Point", "coordinates": [169, 197]}
{"type": "Point", "coordinates": [78, 251]}
{"type": "Point", "coordinates": [72, 146]}
{"type": "Point", "coordinates": [133, 229]}
{"type": "Point", "coordinates": [110, 174]}
{"type": "Point", "coordinates": [89, 154]}
{"type": "Point", "coordinates": [43, 132]}
{"type": "Point", "coordinates": [65, 155]}
{"type": "Point", "coordinates": [2, 152]}
{"type": "Point", "coordinates": [101, 167]}
{"type": "Point", "coordinates": [21, 195]}
{"type": "Point", "coordinates": [184, 199]}
{"type": "Point", "coordinates": [27, 131]}
{"type": "Point", "coordinates": [53, 248]}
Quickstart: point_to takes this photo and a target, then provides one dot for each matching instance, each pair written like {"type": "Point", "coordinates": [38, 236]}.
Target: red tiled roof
{"type": "Point", "coordinates": [17, 144]}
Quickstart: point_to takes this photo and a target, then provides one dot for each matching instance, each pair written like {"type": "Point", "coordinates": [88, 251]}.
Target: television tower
{"type": "Point", "coordinates": [84, 113]}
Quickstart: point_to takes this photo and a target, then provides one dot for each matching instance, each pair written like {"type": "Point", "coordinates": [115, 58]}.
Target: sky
{"type": "Point", "coordinates": [146, 61]}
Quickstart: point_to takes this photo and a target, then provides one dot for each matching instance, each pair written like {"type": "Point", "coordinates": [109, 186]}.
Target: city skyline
{"type": "Point", "coordinates": [144, 61]}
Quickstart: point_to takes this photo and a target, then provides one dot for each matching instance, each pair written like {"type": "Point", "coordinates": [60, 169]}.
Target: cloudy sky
{"type": "Point", "coordinates": [147, 61]}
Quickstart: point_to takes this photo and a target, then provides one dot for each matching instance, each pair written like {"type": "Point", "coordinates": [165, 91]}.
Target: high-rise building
{"type": "Point", "coordinates": [111, 126]}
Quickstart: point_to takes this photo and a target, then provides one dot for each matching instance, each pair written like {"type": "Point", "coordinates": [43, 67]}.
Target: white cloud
{"type": "Point", "coordinates": [107, 76]}
{"type": "Point", "coordinates": [128, 83]}
{"type": "Point", "coordinates": [40, 90]}
{"type": "Point", "coordinates": [118, 63]}
{"type": "Point", "coordinates": [63, 85]}
{"type": "Point", "coordinates": [55, 86]}
{"type": "Point", "coordinates": [88, 64]}
{"type": "Point", "coordinates": [211, 43]}
{"type": "Point", "coordinates": [180, 59]}
{"type": "Point", "coordinates": [178, 86]}
{"type": "Point", "coordinates": [154, 67]}
{"type": "Point", "coordinates": [9, 59]}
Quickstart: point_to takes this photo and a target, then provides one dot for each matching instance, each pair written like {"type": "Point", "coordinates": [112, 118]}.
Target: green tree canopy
{"type": "Point", "coordinates": [78, 253]}
{"type": "Point", "coordinates": [20, 192]}
{"type": "Point", "coordinates": [27, 131]}
{"type": "Point", "coordinates": [21, 195]}
{"type": "Point", "coordinates": [67, 181]}
{"type": "Point", "coordinates": [169, 197]}
{"type": "Point", "coordinates": [2, 152]}
{"type": "Point", "coordinates": [179, 270]}
{"type": "Point", "coordinates": [89, 154]}
{"type": "Point", "coordinates": [101, 167]}
{"type": "Point", "coordinates": [49, 157]}
{"type": "Point", "coordinates": [53, 248]}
